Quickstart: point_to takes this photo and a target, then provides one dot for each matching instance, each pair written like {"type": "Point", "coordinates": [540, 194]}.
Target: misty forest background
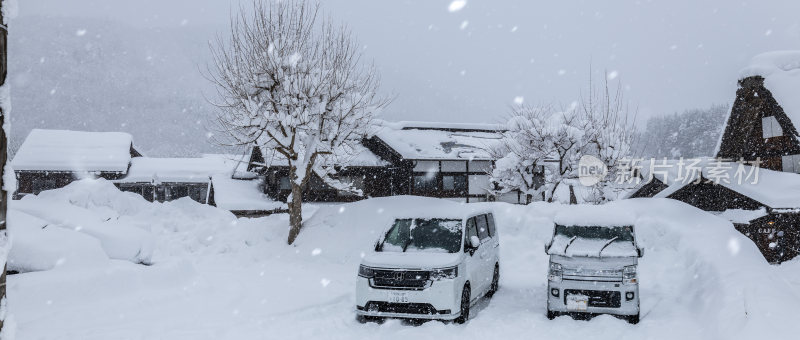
{"type": "Point", "coordinates": [108, 76]}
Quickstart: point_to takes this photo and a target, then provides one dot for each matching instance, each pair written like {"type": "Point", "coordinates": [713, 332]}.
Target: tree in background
{"type": "Point", "coordinates": [290, 82]}
{"type": "Point", "coordinates": [693, 133]}
{"type": "Point", "coordinates": [541, 148]}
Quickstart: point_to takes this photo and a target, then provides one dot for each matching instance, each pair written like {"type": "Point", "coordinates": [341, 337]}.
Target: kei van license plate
{"type": "Point", "coordinates": [398, 297]}
{"type": "Point", "coordinates": [577, 302]}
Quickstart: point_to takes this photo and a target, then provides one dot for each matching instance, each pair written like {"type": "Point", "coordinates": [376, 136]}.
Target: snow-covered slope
{"type": "Point", "coordinates": [217, 277]}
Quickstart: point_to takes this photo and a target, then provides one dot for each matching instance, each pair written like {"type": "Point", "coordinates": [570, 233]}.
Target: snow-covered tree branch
{"type": "Point", "coordinates": [541, 147]}
{"type": "Point", "coordinates": [292, 82]}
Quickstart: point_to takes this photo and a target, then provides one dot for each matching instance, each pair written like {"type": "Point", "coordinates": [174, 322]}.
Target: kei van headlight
{"type": "Point", "coordinates": [629, 275]}
{"type": "Point", "coordinates": [556, 272]}
{"type": "Point", "coordinates": [444, 273]}
{"type": "Point", "coordinates": [365, 271]}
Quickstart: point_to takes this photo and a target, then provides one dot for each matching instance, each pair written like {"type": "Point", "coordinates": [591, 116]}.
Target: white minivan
{"type": "Point", "coordinates": [431, 267]}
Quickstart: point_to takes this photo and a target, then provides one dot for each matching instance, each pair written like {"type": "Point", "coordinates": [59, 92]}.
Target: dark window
{"type": "Point", "coordinates": [283, 183]}
{"type": "Point", "coordinates": [161, 194]}
{"type": "Point", "coordinates": [425, 183]}
{"type": "Point", "coordinates": [471, 230]}
{"type": "Point", "coordinates": [131, 188]}
{"type": "Point", "coordinates": [621, 233]}
{"type": "Point", "coordinates": [423, 235]}
{"type": "Point", "coordinates": [483, 227]}
{"type": "Point", "coordinates": [176, 192]}
{"type": "Point", "coordinates": [492, 228]}
{"type": "Point", "coordinates": [40, 185]}
{"type": "Point", "coordinates": [456, 183]}
{"type": "Point", "coordinates": [198, 193]}
{"type": "Point", "coordinates": [148, 192]}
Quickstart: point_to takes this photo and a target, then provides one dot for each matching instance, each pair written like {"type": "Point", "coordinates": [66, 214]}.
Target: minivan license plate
{"type": "Point", "coordinates": [398, 297]}
{"type": "Point", "coordinates": [577, 302]}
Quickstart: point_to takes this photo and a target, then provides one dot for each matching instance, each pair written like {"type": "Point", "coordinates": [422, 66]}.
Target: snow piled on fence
{"type": "Point", "coordinates": [213, 276]}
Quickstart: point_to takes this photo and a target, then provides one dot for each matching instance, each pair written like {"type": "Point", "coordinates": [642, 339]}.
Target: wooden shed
{"type": "Point", "coordinates": [51, 159]}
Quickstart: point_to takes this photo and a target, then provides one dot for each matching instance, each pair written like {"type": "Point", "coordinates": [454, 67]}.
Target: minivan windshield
{"type": "Point", "coordinates": [614, 234]}
{"type": "Point", "coordinates": [433, 235]}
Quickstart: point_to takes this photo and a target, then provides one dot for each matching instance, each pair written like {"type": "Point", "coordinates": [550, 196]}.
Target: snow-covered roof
{"type": "Point", "coordinates": [781, 73]}
{"type": "Point", "coordinates": [361, 156]}
{"type": "Point", "coordinates": [440, 141]}
{"type": "Point", "coordinates": [241, 195]}
{"type": "Point", "coordinates": [742, 216]}
{"type": "Point", "coordinates": [775, 189]}
{"type": "Point", "coordinates": [442, 125]}
{"type": "Point", "coordinates": [146, 169]}
{"type": "Point", "coordinates": [63, 150]}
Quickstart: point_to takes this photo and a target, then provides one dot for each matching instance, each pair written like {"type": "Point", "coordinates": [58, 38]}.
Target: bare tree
{"type": "Point", "coordinates": [546, 144]}
{"type": "Point", "coordinates": [291, 82]}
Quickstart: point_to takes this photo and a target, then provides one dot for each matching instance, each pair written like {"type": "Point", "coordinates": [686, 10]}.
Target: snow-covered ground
{"type": "Point", "coordinates": [213, 276]}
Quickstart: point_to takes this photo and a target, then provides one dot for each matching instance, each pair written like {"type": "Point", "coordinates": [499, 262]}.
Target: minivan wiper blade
{"type": "Point", "coordinates": [600, 253]}
{"type": "Point", "coordinates": [569, 244]}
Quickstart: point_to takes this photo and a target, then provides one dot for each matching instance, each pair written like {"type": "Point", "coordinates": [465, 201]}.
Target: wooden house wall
{"type": "Point", "coordinates": [34, 182]}
{"type": "Point", "coordinates": [168, 191]}
{"type": "Point", "coordinates": [743, 135]}
{"type": "Point", "coordinates": [376, 183]}
{"type": "Point", "coordinates": [649, 189]}
{"type": "Point", "coordinates": [776, 235]}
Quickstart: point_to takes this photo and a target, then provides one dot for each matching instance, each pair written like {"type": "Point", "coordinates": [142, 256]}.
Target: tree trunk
{"type": "Point", "coordinates": [572, 198]}
{"type": "Point", "coordinates": [3, 153]}
{"type": "Point", "coordinates": [295, 212]}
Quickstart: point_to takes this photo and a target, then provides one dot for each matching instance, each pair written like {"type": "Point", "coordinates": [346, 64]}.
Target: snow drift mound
{"type": "Point", "coordinates": [88, 207]}
{"type": "Point", "coordinates": [37, 245]}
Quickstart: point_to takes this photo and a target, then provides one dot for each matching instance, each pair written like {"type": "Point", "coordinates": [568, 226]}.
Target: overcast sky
{"type": "Point", "coordinates": [469, 65]}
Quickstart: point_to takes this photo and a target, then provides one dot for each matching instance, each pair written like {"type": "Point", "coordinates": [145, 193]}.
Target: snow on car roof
{"type": "Point", "coordinates": [63, 150]}
{"type": "Point", "coordinates": [440, 141]}
{"type": "Point", "coordinates": [593, 215]}
{"type": "Point", "coordinates": [781, 73]}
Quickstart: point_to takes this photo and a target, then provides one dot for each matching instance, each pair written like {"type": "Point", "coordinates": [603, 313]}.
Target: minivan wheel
{"type": "Point", "coordinates": [464, 306]}
{"type": "Point", "coordinates": [551, 314]}
{"type": "Point", "coordinates": [495, 281]}
{"type": "Point", "coordinates": [633, 319]}
{"type": "Point", "coordinates": [365, 319]}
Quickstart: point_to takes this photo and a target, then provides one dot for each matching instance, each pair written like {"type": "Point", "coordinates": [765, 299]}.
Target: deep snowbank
{"type": "Point", "coordinates": [217, 277]}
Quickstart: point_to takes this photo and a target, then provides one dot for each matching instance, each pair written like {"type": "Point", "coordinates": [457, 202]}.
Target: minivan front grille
{"type": "Point", "coordinates": [597, 298]}
{"type": "Point", "coordinates": [600, 275]}
{"type": "Point", "coordinates": [400, 279]}
{"type": "Point", "coordinates": [403, 308]}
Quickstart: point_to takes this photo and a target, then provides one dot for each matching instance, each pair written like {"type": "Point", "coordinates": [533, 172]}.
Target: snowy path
{"type": "Point", "coordinates": [245, 283]}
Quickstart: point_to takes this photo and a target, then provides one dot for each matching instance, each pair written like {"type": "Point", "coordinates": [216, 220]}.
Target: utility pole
{"type": "Point", "coordinates": [3, 154]}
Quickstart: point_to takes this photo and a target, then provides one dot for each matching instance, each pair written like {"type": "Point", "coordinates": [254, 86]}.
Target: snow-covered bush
{"type": "Point", "coordinates": [291, 83]}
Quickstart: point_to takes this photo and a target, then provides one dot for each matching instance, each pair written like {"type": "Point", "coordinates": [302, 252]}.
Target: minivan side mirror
{"type": "Point", "coordinates": [546, 248]}
{"type": "Point", "coordinates": [640, 252]}
{"type": "Point", "coordinates": [474, 242]}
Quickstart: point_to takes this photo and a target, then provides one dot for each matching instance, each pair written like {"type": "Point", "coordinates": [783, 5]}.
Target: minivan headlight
{"type": "Point", "coordinates": [444, 273]}
{"type": "Point", "coordinates": [629, 275]}
{"type": "Point", "coordinates": [556, 272]}
{"type": "Point", "coordinates": [365, 271]}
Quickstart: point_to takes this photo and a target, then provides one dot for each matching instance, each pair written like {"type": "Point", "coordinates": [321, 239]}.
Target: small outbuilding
{"type": "Point", "coordinates": [51, 159]}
